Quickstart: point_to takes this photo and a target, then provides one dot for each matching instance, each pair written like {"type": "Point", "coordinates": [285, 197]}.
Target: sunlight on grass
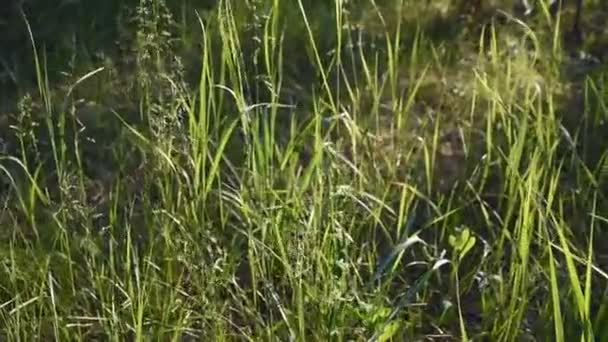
{"type": "Point", "coordinates": [312, 170]}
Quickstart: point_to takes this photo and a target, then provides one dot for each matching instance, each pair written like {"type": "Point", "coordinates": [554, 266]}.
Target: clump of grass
{"type": "Point", "coordinates": [401, 186]}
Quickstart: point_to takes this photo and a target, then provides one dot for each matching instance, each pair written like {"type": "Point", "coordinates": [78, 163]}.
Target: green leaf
{"type": "Point", "coordinates": [389, 330]}
{"type": "Point", "coordinates": [469, 243]}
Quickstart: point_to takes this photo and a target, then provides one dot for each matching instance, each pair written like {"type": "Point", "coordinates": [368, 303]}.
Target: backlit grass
{"type": "Point", "coordinates": [308, 170]}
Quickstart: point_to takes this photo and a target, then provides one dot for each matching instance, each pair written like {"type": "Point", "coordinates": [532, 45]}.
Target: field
{"type": "Point", "coordinates": [388, 170]}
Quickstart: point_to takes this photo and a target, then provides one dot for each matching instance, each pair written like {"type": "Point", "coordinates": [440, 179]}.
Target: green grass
{"type": "Point", "coordinates": [307, 170]}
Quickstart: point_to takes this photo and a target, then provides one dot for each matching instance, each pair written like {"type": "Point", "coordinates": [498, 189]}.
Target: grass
{"type": "Point", "coordinates": [307, 170]}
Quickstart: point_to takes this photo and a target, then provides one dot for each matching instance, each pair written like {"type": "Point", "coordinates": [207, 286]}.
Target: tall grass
{"type": "Point", "coordinates": [336, 172]}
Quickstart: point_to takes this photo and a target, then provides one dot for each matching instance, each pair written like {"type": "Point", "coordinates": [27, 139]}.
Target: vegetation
{"type": "Point", "coordinates": [302, 170]}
